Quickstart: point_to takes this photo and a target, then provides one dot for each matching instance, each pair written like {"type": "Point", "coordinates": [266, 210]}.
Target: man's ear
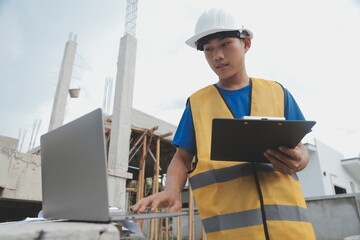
{"type": "Point", "coordinates": [247, 43]}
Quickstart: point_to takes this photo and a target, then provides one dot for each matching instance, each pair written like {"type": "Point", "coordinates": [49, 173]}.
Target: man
{"type": "Point", "coordinates": [236, 200]}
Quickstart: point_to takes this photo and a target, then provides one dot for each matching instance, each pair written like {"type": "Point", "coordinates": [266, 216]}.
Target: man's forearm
{"type": "Point", "coordinates": [177, 172]}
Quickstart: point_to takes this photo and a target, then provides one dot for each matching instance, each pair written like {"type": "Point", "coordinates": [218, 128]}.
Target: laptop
{"type": "Point", "coordinates": [74, 178]}
{"type": "Point", "coordinates": [246, 140]}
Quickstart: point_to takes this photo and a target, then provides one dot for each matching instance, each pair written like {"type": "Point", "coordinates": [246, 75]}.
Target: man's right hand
{"type": "Point", "coordinates": [165, 199]}
{"type": "Point", "coordinates": [175, 181]}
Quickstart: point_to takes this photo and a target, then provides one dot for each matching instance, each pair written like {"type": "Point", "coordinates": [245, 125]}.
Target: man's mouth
{"type": "Point", "coordinates": [220, 65]}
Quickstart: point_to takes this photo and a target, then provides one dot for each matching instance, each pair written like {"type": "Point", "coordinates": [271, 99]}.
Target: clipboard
{"type": "Point", "coordinates": [245, 140]}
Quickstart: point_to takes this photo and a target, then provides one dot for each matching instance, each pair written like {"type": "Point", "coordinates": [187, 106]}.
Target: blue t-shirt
{"type": "Point", "coordinates": [239, 102]}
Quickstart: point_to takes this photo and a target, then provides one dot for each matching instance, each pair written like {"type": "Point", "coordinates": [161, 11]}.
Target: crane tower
{"type": "Point", "coordinates": [130, 17]}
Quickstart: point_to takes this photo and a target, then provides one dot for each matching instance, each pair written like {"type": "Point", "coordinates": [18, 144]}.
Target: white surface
{"type": "Point", "coordinates": [324, 171]}
{"type": "Point", "coordinates": [56, 230]}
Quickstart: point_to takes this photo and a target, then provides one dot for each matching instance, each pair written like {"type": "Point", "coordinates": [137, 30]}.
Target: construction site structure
{"type": "Point", "coordinates": [121, 122]}
{"type": "Point", "coordinates": [139, 148]}
{"type": "Point", "coordinates": [122, 110]}
{"type": "Point", "coordinates": [130, 17]}
{"type": "Point", "coordinates": [62, 89]}
{"type": "Point", "coordinates": [150, 153]}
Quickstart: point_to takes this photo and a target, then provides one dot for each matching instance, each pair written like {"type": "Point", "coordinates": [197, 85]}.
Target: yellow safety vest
{"type": "Point", "coordinates": [226, 193]}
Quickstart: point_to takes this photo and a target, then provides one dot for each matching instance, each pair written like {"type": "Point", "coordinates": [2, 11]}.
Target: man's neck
{"type": "Point", "coordinates": [233, 84]}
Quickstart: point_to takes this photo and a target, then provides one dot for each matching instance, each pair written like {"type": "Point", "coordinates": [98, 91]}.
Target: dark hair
{"type": "Point", "coordinates": [219, 35]}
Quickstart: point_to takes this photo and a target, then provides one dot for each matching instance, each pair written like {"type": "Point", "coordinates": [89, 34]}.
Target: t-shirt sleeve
{"type": "Point", "coordinates": [292, 110]}
{"type": "Point", "coordinates": [185, 133]}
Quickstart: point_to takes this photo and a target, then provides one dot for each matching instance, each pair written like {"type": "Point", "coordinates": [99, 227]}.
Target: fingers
{"type": "Point", "coordinates": [278, 164]}
{"type": "Point", "coordinates": [285, 160]}
{"type": "Point", "coordinates": [155, 204]}
{"type": "Point", "coordinates": [140, 206]}
{"type": "Point", "coordinates": [176, 207]}
{"type": "Point", "coordinates": [159, 200]}
{"type": "Point", "coordinates": [293, 153]}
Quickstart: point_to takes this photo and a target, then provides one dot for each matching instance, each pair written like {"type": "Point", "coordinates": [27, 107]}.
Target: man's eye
{"type": "Point", "coordinates": [208, 49]}
{"type": "Point", "coordinates": [225, 44]}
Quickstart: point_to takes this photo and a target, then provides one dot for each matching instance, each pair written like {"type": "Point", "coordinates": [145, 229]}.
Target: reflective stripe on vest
{"type": "Point", "coordinates": [226, 192]}
{"type": "Point", "coordinates": [253, 217]}
{"type": "Point", "coordinates": [229, 173]}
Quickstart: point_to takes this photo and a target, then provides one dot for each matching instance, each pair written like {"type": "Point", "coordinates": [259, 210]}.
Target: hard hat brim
{"type": "Point", "coordinates": [191, 41]}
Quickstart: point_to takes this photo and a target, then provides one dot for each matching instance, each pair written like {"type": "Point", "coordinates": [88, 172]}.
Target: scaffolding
{"type": "Point", "coordinates": [149, 158]}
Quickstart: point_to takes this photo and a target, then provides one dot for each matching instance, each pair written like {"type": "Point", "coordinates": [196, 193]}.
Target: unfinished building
{"type": "Point", "coordinates": [139, 148]}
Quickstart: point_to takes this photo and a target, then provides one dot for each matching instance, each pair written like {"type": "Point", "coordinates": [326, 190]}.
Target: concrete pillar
{"type": "Point", "coordinates": [121, 123]}
{"type": "Point", "coordinates": [58, 111]}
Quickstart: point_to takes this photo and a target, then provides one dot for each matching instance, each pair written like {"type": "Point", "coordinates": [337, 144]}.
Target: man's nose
{"type": "Point", "coordinates": [218, 54]}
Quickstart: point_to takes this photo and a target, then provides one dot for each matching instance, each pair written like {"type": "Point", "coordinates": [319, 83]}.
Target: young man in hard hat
{"type": "Point", "coordinates": [236, 200]}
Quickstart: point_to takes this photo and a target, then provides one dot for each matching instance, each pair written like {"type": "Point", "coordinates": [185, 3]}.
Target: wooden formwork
{"type": "Point", "coordinates": [149, 157]}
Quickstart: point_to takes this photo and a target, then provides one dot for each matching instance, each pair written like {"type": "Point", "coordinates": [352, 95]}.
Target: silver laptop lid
{"type": "Point", "coordinates": [73, 159]}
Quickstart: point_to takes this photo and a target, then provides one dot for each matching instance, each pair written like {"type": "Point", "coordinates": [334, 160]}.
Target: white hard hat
{"type": "Point", "coordinates": [216, 20]}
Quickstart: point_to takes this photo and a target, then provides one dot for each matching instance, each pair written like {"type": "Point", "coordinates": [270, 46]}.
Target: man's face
{"type": "Point", "coordinates": [226, 56]}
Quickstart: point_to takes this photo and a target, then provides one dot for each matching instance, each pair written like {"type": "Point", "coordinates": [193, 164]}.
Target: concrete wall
{"type": "Point", "coordinates": [20, 174]}
{"type": "Point", "coordinates": [335, 217]}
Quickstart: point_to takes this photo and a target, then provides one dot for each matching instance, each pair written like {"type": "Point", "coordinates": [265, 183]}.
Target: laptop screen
{"type": "Point", "coordinates": [74, 184]}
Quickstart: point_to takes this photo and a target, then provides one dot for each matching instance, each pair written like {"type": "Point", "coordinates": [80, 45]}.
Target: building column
{"type": "Point", "coordinates": [62, 89]}
{"type": "Point", "coordinates": [121, 123]}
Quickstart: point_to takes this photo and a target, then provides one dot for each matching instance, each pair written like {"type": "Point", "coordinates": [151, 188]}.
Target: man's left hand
{"type": "Point", "coordinates": [288, 160]}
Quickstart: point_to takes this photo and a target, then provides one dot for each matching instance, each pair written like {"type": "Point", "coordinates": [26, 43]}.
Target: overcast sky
{"type": "Point", "coordinates": [311, 47]}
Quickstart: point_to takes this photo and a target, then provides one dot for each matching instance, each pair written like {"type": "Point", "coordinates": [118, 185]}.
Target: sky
{"type": "Point", "coordinates": [310, 47]}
